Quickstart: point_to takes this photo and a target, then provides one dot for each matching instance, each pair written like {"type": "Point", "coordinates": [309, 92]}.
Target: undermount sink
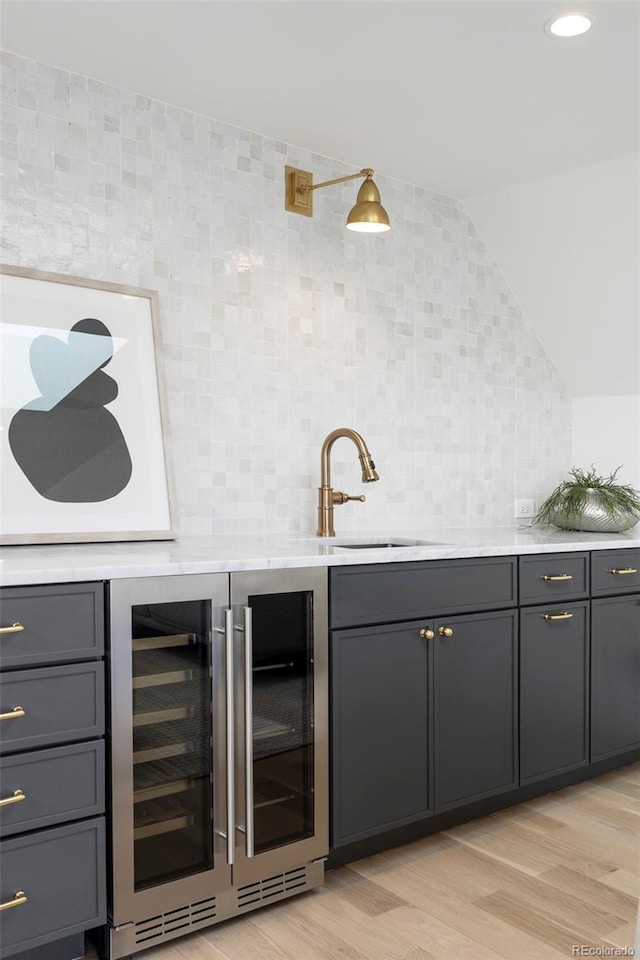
{"type": "Point", "coordinates": [382, 544]}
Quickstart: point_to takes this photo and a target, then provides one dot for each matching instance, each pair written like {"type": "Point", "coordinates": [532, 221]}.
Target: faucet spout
{"type": "Point", "coordinates": [327, 497]}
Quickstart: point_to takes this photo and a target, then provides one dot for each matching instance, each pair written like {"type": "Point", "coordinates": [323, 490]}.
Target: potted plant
{"type": "Point", "coordinates": [591, 503]}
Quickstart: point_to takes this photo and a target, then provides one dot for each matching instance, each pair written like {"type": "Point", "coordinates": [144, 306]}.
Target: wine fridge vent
{"type": "Point", "coordinates": [166, 924]}
{"type": "Point", "coordinates": [271, 887]}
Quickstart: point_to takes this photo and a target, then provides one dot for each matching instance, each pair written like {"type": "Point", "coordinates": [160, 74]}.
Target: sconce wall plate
{"type": "Point", "coordinates": [298, 191]}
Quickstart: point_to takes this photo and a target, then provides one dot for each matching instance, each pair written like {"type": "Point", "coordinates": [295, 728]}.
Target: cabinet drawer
{"type": "Point", "coordinates": [553, 577]}
{"type": "Point", "coordinates": [60, 704]}
{"type": "Point", "coordinates": [59, 785]}
{"type": "Point", "coordinates": [61, 872]}
{"type": "Point", "coordinates": [61, 623]}
{"type": "Point", "coordinates": [406, 591]}
{"type": "Point", "coordinates": [615, 571]}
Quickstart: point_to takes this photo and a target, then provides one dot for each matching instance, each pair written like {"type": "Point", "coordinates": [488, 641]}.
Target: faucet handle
{"type": "Point", "coordinates": [339, 497]}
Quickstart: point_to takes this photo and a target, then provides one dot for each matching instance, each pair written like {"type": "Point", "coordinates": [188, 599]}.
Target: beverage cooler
{"type": "Point", "coordinates": [219, 797]}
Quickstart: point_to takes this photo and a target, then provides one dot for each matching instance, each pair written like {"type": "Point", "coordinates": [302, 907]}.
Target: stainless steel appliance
{"type": "Point", "coordinates": [219, 796]}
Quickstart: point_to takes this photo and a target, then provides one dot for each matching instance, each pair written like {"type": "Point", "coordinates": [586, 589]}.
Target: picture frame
{"type": "Point", "coordinates": [84, 438]}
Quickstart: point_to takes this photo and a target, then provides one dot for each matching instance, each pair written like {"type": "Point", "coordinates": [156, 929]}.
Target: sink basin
{"type": "Point", "coordinates": [383, 544]}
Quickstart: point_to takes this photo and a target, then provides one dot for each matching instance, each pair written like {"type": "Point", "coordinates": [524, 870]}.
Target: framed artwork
{"type": "Point", "coordinates": [84, 449]}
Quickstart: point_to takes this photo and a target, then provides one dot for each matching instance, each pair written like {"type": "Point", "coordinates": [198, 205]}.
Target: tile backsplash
{"type": "Point", "coordinates": [278, 328]}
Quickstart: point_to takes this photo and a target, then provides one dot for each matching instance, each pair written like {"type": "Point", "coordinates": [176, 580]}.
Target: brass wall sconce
{"type": "Point", "coordinates": [367, 216]}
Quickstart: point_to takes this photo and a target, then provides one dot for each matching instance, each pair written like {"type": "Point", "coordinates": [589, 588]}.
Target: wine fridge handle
{"type": "Point", "coordinates": [248, 727]}
{"type": "Point", "coordinates": [231, 798]}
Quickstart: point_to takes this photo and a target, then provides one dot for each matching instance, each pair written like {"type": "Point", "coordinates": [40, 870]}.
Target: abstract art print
{"type": "Point", "coordinates": [83, 435]}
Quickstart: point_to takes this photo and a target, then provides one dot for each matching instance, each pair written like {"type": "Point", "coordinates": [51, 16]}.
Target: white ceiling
{"type": "Point", "coordinates": [459, 96]}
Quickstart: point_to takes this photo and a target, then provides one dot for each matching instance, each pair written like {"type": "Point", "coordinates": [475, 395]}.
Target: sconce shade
{"type": "Point", "coordinates": [368, 215]}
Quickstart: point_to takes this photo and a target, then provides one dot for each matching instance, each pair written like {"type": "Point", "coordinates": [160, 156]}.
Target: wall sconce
{"type": "Point", "coordinates": [367, 216]}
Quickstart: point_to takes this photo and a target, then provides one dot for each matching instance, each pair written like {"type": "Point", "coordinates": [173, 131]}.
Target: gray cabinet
{"type": "Point", "coordinates": [554, 577]}
{"type": "Point", "coordinates": [615, 652]}
{"type": "Point", "coordinates": [388, 592]}
{"type": "Point", "coordinates": [51, 705]}
{"type": "Point", "coordinates": [615, 676]}
{"type": "Point", "coordinates": [554, 690]}
{"type": "Point", "coordinates": [380, 729]}
{"type": "Point", "coordinates": [59, 623]}
{"type": "Point", "coordinates": [61, 875]}
{"type": "Point", "coordinates": [475, 707]}
{"type": "Point", "coordinates": [54, 786]}
{"type": "Point", "coordinates": [53, 876]}
{"type": "Point", "coordinates": [424, 711]}
{"type": "Point", "coordinates": [493, 703]}
{"type": "Point", "coordinates": [615, 572]}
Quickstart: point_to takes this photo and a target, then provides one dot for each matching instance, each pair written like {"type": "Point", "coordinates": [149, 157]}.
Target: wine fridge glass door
{"type": "Point", "coordinates": [282, 712]}
{"type": "Point", "coordinates": [281, 718]}
{"type": "Point", "coordinates": [172, 755]}
{"type": "Point", "coordinates": [169, 757]}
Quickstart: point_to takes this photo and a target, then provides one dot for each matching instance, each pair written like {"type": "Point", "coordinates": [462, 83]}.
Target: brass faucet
{"type": "Point", "coordinates": [327, 496]}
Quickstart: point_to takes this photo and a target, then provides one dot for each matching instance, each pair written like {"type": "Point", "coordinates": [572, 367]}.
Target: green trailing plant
{"type": "Point", "coordinates": [571, 497]}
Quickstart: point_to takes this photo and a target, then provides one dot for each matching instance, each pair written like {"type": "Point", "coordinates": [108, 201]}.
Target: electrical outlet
{"type": "Point", "coordinates": [524, 509]}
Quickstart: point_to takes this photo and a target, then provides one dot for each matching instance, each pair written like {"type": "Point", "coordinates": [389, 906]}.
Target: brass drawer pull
{"type": "Point", "coordinates": [445, 631]}
{"type": "Point", "coordinates": [427, 634]}
{"type": "Point", "coordinates": [15, 797]}
{"type": "Point", "coordinates": [556, 576]}
{"type": "Point", "coordinates": [19, 898]}
{"type": "Point", "coordinates": [558, 616]}
{"type": "Point", "coordinates": [14, 628]}
{"type": "Point", "coordinates": [623, 570]}
{"type": "Point", "coordinates": [13, 714]}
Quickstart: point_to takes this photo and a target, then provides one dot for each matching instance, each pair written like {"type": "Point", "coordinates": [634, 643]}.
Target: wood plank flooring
{"type": "Point", "coordinates": [534, 882]}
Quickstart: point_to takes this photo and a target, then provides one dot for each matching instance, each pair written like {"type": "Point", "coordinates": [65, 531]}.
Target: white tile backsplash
{"type": "Point", "coordinates": [278, 328]}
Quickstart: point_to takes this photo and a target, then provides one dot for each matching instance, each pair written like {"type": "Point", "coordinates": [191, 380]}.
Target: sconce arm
{"type": "Point", "coordinates": [365, 172]}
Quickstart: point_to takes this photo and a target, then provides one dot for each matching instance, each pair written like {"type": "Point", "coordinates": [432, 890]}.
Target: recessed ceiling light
{"type": "Point", "coordinates": [569, 25]}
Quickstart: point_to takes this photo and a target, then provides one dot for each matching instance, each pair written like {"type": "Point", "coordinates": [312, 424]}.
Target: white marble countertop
{"type": "Point", "coordinates": [57, 563]}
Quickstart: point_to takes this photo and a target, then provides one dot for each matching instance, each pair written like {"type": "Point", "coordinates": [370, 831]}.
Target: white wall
{"type": "Point", "coordinates": [569, 248]}
{"type": "Point", "coordinates": [279, 328]}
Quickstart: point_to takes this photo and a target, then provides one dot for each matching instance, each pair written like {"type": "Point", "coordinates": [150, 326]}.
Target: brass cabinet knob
{"type": "Point", "coordinates": [445, 631]}
{"type": "Point", "coordinates": [553, 577]}
{"type": "Point", "coordinates": [558, 616]}
{"type": "Point", "coordinates": [14, 628]}
{"type": "Point", "coordinates": [623, 570]}
{"type": "Point", "coordinates": [427, 634]}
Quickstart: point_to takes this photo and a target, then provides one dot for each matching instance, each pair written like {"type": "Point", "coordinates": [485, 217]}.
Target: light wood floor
{"type": "Point", "coordinates": [530, 883]}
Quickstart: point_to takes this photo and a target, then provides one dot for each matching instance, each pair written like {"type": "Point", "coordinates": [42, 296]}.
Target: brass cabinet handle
{"type": "Point", "coordinates": [445, 631]}
{"type": "Point", "coordinates": [15, 797]}
{"type": "Point", "coordinates": [13, 714]}
{"type": "Point", "coordinates": [14, 628]}
{"type": "Point", "coordinates": [556, 576]}
{"type": "Point", "coordinates": [19, 898]}
{"type": "Point", "coordinates": [623, 570]}
{"type": "Point", "coordinates": [558, 616]}
{"type": "Point", "coordinates": [427, 634]}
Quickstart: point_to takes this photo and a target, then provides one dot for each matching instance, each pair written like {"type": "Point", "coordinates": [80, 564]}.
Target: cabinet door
{"type": "Point", "coordinates": [475, 707]}
{"type": "Point", "coordinates": [554, 690]}
{"type": "Point", "coordinates": [380, 729]}
{"type": "Point", "coordinates": [615, 676]}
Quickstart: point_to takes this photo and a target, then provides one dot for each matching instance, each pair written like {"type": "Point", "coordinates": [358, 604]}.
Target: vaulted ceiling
{"type": "Point", "coordinates": [459, 96]}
